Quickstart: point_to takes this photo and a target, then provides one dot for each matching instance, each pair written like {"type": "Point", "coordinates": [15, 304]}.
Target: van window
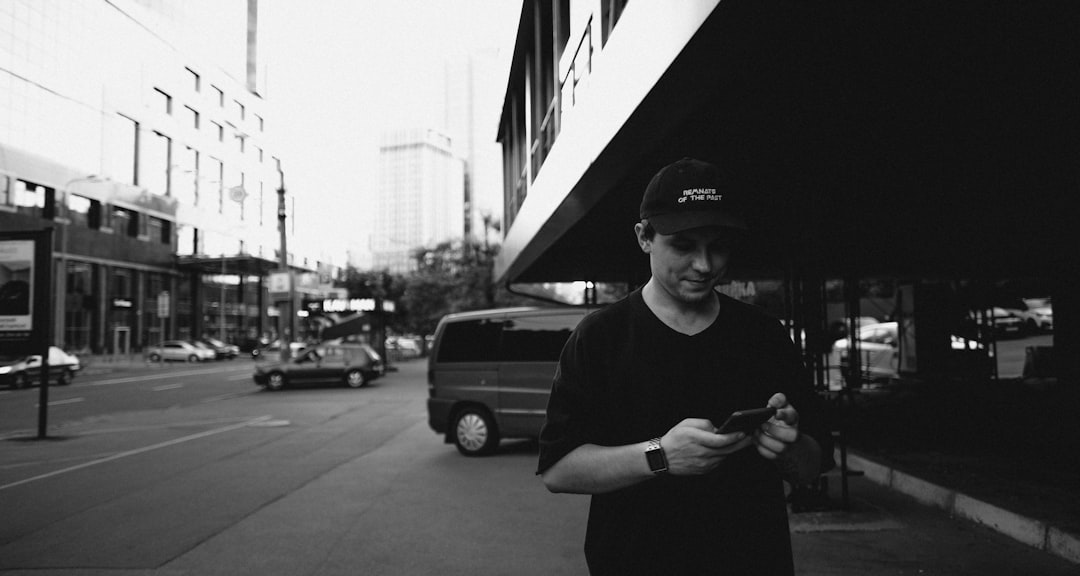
{"type": "Point", "coordinates": [470, 341]}
{"type": "Point", "coordinates": [537, 338]}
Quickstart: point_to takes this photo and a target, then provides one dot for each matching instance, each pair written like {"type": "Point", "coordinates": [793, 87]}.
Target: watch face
{"type": "Point", "coordinates": [655, 457]}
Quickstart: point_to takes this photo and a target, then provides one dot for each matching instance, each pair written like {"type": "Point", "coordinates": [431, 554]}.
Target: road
{"type": "Point", "coordinates": [179, 471]}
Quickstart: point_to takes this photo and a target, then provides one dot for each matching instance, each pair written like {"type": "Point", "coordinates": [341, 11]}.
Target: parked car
{"type": "Point", "coordinates": [221, 350]}
{"type": "Point", "coordinates": [179, 351]}
{"type": "Point", "coordinates": [879, 350]}
{"type": "Point", "coordinates": [354, 365]}
{"type": "Point", "coordinates": [273, 350]}
{"type": "Point", "coordinates": [490, 373]}
{"type": "Point", "coordinates": [21, 371]}
{"type": "Point", "coordinates": [1038, 314]}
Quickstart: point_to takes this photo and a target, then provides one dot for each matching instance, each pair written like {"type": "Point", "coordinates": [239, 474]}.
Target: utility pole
{"type": "Point", "coordinates": [288, 324]}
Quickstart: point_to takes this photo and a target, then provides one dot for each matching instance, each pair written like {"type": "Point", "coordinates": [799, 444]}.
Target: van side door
{"type": "Point", "coordinates": [466, 365]}
{"type": "Point", "coordinates": [531, 345]}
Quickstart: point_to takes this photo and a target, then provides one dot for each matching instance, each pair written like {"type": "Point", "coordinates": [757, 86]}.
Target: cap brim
{"type": "Point", "coordinates": [681, 221]}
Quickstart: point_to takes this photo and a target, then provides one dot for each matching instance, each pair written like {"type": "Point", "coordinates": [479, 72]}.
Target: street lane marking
{"type": "Point", "coordinates": [227, 396]}
{"type": "Point", "coordinates": [166, 444]}
{"type": "Point", "coordinates": [60, 402]}
{"type": "Point", "coordinates": [150, 377]}
{"type": "Point", "coordinates": [168, 387]}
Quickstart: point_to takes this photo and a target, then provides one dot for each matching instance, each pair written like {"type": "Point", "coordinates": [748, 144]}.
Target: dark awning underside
{"type": "Point", "coordinates": [928, 138]}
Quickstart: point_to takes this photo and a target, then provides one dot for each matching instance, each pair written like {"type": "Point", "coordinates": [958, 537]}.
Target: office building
{"type": "Point", "coordinates": [420, 201]}
{"type": "Point", "coordinates": [138, 130]}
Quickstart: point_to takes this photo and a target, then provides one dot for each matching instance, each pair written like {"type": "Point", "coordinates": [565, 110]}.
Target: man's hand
{"type": "Point", "coordinates": [780, 432]}
{"type": "Point", "coordinates": [693, 447]}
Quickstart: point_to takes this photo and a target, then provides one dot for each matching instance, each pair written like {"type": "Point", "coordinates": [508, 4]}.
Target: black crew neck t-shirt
{"type": "Point", "coordinates": [625, 377]}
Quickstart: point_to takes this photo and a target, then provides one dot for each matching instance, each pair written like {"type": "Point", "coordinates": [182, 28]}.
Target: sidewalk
{"type": "Point", "coordinates": [1038, 533]}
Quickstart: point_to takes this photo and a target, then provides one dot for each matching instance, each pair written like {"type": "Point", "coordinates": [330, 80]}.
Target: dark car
{"type": "Point", "coordinates": [24, 371]}
{"type": "Point", "coordinates": [354, 365]}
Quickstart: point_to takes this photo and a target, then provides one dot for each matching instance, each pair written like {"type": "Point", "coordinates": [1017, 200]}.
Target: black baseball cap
{"type": "Point", "coordinates": [689, 194]}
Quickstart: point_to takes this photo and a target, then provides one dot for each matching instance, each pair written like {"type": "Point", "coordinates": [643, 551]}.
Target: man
{"type": "Point", "coordinates": [643, 384]}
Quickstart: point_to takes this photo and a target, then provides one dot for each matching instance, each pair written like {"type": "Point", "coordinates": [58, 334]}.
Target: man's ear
{"type": "Point", "coordinates": [643, 242]}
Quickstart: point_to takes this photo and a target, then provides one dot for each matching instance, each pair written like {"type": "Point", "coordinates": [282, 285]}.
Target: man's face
{"type": "Point", "coordinates": [688, 264]}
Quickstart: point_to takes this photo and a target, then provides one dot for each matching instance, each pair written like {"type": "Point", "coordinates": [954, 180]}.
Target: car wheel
{"type": "Point", "coordinates": [65, 378]}
{"type": "Point", "coordinates": [355, 379]}
{"type": "Point", "coordinates": [475, 433]}
{"type": "Point", "coordinates": [275, 381]}
{"type": "Point", "coordinates": [20, 381]}
{"type": "Point", "coordinates": [155, 357]}
{"type": "Point", "coordinates": [193, 358]}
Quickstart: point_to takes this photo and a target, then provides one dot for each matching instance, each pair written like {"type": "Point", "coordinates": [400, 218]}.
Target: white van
{"type": "Point", "coordinates": [490, 373]}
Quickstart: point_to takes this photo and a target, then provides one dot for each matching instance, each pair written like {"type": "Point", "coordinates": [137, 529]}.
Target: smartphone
{"type": "Point", "coordinates": [746, 420]}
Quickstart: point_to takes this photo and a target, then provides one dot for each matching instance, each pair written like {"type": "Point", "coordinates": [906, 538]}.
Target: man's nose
{"type": "Point", "coordinates": [702, 261]}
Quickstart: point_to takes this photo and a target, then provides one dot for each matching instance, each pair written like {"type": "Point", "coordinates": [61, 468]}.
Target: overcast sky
{"type": "Point", "coordinates": [343, 71]}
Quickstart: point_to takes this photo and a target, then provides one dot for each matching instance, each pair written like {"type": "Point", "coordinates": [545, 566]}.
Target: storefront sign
{"type": "Point", "coordinates": [278, 282]}
{"type": "Point", "coordinates": [351, 305]}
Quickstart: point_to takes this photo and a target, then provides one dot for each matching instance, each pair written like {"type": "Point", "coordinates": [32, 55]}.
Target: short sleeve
{"type": "Point", "coordinates": [572, 399]}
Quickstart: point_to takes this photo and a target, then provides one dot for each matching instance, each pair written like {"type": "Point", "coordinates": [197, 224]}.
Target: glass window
{"type": "Point", "coordinates": [121, 150]}
{"type": "Point", "coordinates": [192, 117]}
{"type": "Point", "coordinates": [156, 161]}
{"type": "Point", "coordinates": [185, 240]}
{"type": "Point", "coordinates": [125, 221]}
{"type": "Point", "coordinates": [195, 79]}
{"type": "Point", "coordinates": [240, 110]}
{"type": "Point", "coordinates": [185, 181]}
{"type": "Point", "coordinates": [29, 198]}
{"type": "Point", "coordinates": [7, 190]}
{"type": "Point", "coordinates": [78, 209]}
{"type": "Point", "coordinates": [537, 338]}
{"type": "Point", "coordinates": [259, 121]}
{"type": "Point", "coordinates": [218, 131]}
{"type": "Point", "coordinates": [153, 227]}
{"type": "Point", "coordinates": [470, 341]}
{"type": "Point", "coordinates": [164, 101]}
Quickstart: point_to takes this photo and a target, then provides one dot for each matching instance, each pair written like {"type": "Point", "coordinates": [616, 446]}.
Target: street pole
{"type": "Point", "coordinates": [221, 305]}
{"type": "Point", "coordinates": [287, 323]}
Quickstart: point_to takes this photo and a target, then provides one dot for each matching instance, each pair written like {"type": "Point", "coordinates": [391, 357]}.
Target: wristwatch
{"type": "Point", "coordinates": [654, 455]}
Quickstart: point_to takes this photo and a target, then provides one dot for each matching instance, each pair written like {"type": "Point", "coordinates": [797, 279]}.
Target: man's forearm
{"type": "Point", "coordinates": [592, 469]}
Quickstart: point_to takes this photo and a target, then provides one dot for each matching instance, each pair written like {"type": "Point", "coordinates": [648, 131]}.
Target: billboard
{"type": "Point", "coordinates": [24, 290]}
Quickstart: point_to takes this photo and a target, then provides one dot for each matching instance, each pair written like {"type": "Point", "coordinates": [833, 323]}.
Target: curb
{"type": "Point", "coordinates": [1034, 533]}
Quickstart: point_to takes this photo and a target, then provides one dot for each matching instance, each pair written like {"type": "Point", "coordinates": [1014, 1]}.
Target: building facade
{"type": "Point", "coordinates": [137, 129]}
{"type": "Point", "coordinates": [420, 200]}
{"type": "Point", "coordinates": [863, 142]}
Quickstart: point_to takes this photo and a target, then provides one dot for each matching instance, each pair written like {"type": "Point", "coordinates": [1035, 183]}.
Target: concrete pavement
{"type": "Point", "coordinates": [896, 524]}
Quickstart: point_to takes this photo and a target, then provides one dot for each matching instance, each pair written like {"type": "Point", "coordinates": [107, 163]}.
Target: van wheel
{"type": "Point", "coordinates": [275, 381]}
{"type": "Point", "coordinates": [475, 433]}
{"type": "Point", "coordinates": [355, 379]}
